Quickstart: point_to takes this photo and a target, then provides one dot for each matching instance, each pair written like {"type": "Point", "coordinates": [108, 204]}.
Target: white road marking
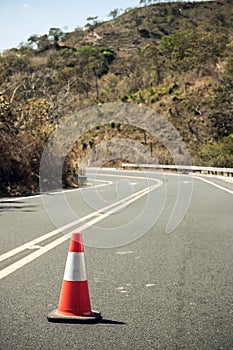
{"type": "Point", "coordinates": [17, 199]}
{"type": "Point", "coordinates": [29, 258]}
{"type": "Point", "coordinates": [35, 196]}
{"type": "Point", "coordinates": [106, 183]}
{"type": "Point", "coordinates": [193, 176]}
{"type": "Point", "coordinates": [65, 227]}
{"type": "Point", "coordinates": [124, 252]}
{"type": "Point", "coordinates": [28, 245]}
{"type": "Point", "coordinates": [214, 184]}
{"type": "Point", "coordinates": [128, 176]}
{"type": "Point", "coordinates": [44, 237]}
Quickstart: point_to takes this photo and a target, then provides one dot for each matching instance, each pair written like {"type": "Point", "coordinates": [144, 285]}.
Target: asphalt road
{"type": "Point", "coordinates": [159, 291]}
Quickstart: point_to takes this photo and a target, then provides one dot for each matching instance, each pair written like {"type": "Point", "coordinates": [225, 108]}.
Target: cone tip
{"type": "Point", "coordinates": [76, 243]}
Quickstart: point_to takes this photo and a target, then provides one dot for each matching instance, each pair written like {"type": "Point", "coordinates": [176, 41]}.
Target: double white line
{"type": "Point", "coordinates": [77, 225]}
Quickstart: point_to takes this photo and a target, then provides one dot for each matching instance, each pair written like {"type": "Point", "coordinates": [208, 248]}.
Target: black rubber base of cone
{"type": "Point", "coordinates": [57, 318]}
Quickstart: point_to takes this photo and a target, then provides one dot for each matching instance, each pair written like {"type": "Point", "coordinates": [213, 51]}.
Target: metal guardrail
{"type": "Point", "coordinates": [191, 168]}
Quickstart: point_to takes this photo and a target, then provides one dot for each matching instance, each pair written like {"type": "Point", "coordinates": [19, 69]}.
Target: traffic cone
{"type": "Point", "coordinates": [74, 304]}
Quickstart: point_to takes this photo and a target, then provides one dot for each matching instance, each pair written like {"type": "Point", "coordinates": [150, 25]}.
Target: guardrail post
{"type": "Point", "coordinates": [82, 177]}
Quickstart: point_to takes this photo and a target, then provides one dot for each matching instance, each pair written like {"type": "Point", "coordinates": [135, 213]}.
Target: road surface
{"type": "Point", "coordinates": [155, 290]}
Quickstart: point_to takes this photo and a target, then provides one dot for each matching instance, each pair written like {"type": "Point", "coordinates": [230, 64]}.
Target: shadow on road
{"type": "Point", "coordinates": [112, 322]}
{"type": "Point", "coordinates": [15, 206]}
{"type": "Point", "coordinates": [86, 322]}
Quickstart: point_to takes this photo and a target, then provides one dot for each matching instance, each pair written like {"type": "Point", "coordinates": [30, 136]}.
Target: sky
{"type": "Point", "coordinates": [22, 18]}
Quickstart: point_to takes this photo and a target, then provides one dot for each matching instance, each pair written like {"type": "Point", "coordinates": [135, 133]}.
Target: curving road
{"type": "Point", "coordinates": [155, 290]}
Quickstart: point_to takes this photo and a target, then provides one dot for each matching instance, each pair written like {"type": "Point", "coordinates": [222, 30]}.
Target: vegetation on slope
{"type": "Point", "coordinates": [175, 58]}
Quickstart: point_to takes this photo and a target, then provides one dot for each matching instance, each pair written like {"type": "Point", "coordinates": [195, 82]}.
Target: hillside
{"type": "Point", "coordinates": [175, 58]}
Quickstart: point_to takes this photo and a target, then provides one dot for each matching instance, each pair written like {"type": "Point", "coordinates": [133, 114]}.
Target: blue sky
{"type": "Point", "coordinates": [22, 18]}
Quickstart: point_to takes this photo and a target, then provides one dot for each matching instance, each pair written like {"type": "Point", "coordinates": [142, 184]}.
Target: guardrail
{"type": "Point", "coordinates": [184, 168]}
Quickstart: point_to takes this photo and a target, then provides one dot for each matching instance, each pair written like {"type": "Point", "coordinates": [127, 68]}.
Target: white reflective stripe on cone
{"type": "Point", "coordinates": [75, 267]}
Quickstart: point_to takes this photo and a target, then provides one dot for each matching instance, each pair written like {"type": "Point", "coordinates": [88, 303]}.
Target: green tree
{"type": "Point", "coordinates": [13, 62]}
{"type": "Point", "coordinates": [219, 154]}
{"type": "Point", "coordinates": [189, 49]}
{"type": "Point", "coordinates": [152, 54]}
{"type": "Point", "coordinates": [92, 22]}
{"type": "Point", "coordinates": [56, 34]}
{"type": "Point", "coordinates": [34, 40]}
{"type": "Point", "coordinates": [222, 115]}
{"type": "Point", "coordinates": [44, 43]}
{"type": "Point", "coordinates": [93, 63]}
{"type": "Point", "coordinates": [114, 13]}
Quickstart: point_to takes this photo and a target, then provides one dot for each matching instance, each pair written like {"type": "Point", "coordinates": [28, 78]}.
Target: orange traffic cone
{"type": "Point", "coordinates": [74, 304]}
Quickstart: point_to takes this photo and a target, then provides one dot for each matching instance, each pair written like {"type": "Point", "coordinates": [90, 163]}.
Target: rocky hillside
{"type": "Point", "coordinates": [175, 58]}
